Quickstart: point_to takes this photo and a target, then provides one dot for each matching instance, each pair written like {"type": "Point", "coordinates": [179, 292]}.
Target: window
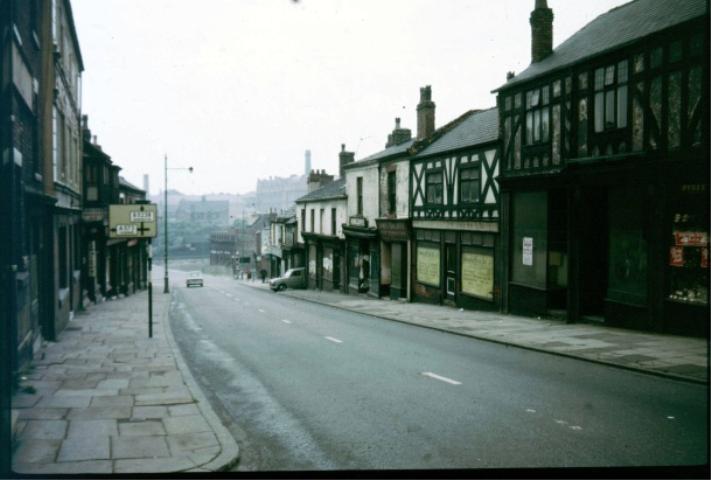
{"type": "Point", "coordinates": [391, 192]}
{"type": "Point", "coordinates": [320, 221]}
{"type": "Point", "coordinates": [433, 187]}
{"type": "Point", "coordinates": [303, 220]}
{"type": "Point", "coordinates": [62, 254]}
{"type": "Point", "coordinates": [359, 194]}
{"type": "Point", "coordinates": [611, 97]}
{"type": "Point", "coordinates": [469, 184]}
{"type": "Point", "coordinates": [333, 221]}
{"type": "Point", "coordinates": [537, 116]}
{"type": "Point", "coordinates": [313, 223]}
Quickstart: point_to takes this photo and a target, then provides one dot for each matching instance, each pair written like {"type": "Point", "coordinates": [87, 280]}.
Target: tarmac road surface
{"type": "Point", "coordinates": [308, 387]}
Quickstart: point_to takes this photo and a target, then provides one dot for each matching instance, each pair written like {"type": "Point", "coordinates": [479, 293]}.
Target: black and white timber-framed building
{"type": "Point", "coordinates": [455, 213]}
{"type": "Point", "coordinates": [605, 170]}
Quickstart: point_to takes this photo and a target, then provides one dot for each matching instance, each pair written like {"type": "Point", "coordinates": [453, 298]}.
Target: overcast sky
{"type": "Point", "coordinates": [239, 89]}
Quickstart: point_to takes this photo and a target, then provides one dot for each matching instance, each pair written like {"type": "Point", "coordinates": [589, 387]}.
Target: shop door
{"type": "Point", "coordinates": [396, 273]}
{"type": "Point", "coordinates": [594, 252]}
{"type": "Point", "coordinates": [336, 266]}
{"type": "Point", "coordinates": [450, 261]}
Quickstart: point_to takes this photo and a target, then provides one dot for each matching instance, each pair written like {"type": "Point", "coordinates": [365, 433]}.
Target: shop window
{"type": "Point", "coordinates": [428, 265]}
{"type": "Point", "coordinates": [627, 266]}
{"type": "Point", "coordinates": [611, 97]}
{"type": "Point", "coordinates": [530, 238]}
{"type": "Point", "coordinates": [537, 116]}
{"type": "Point", "coordinates": [478, 272]}
{"type": "Point", "coordinates": [434, 187]}
{"type": "Point", "coordinates": [469, 184]}
{"type": "Point", "coordinates": [689, 248]}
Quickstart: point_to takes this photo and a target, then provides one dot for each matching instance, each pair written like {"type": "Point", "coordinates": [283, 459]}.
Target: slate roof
{"type": "Point", "coordinates": [335, 189]}
{"type": "Point", "coordinates": [620, 26]}
{"type": "Point", "coordinates": [480, 126]}
{"type": "Point", "coordinates": [383, 154]}
{"type": "Point", "coordinates": [126, 184]}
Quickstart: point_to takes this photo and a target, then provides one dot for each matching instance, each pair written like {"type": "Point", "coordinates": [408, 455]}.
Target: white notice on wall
{"type": "Point", "coordinates": [528, 251]}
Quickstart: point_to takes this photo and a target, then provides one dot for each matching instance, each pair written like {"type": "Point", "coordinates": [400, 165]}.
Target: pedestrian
{"type": "Point", "coordinates": [263, 274]}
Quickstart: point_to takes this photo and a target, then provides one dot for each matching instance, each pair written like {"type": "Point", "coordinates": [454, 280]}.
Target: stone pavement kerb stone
{"type": "Point", "coordinates": [675, 357]}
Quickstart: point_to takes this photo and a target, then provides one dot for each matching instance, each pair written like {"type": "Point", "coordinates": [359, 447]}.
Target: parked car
{"type": "Point", "coordinates": [194, 278]}
{"type": "Point", "coordinates": [293, 278]}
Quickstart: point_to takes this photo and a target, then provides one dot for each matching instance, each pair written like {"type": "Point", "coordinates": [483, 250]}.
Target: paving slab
{"type": "Point", "coordinates": [107, 399]}
{"type": "Point", "coordinates": [92, 447]}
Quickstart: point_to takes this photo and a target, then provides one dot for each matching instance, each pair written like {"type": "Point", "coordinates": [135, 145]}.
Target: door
{"type": "Point", "coordinates": [450, 262]}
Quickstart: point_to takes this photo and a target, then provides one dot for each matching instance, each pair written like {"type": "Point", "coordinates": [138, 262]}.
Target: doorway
{"type": "Point", "coordinates": [593, 251]}
{"type": "Point", "coordinates": [450, 261]}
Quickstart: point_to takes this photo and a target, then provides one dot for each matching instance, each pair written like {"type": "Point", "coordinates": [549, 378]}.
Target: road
{"type": "Point", "coordinates": [308, 387]}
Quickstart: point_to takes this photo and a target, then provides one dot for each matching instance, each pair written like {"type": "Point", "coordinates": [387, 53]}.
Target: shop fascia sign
{"type": "Point", "coordinates": [358, 221]}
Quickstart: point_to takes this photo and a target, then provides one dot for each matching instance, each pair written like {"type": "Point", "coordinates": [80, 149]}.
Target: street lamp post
{"type": "Point", "coordinates": [166, 288]}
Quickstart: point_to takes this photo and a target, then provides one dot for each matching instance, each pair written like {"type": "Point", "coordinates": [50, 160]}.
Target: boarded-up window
{"type": "Point", "coordinates": [478, 272]}
{"type": "Point", "coordinates": [428, 265]}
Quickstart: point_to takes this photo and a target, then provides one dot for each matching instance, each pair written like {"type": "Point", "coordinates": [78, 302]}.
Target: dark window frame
{"type": "Point", "coordinates": [434, 187]}
{"type": "Point", "coordinates": [470, 167]}
{"type": "Point", "coordinates": [359, 195]}
{"type": "Point", "coordinates": [610, 97]}
{"type": "Point", "coordinates": [392, 191]}
{"type": "Point", "coordinates": [333, 221]}
{"type": "Point", "coordinates": [536, 115]}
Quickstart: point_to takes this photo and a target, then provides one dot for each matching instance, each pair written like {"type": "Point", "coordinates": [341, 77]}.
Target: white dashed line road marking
{"type": "Point", "coordinates": [261, 311]}
{"type": "Point", "coordinates": [228, 294]}
{"type": "Point", "coordinates": [561, 422]}
{"type": "Point", "coordinates": [287, 321]}
{"type": "Point", "coordinates": [530, 410]}
{"type": "Point", "coordinates": [334, 340]}
{"type": "Point", "coordinates": [441, 378]}
{"type": "Point", "coordinates": [576, 427]}
{"type": "Point", "coordinates": [670, 417]}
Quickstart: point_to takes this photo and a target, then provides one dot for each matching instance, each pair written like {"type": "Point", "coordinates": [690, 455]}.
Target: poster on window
{"type": "Point", "coordinates": [691, 239]}
{"type": "Point", "coordinates": [676, 256]}
{"type": "Point", "coordinates": [478, 274]}
{"type": "Point", "coordinates": [428, 265]}
{"type": "Point", "coordinates": [528, 251]}
{"type": "Point", "coordinates": [704, 258]}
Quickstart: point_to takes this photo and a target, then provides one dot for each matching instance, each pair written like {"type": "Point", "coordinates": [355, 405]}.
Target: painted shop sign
{"type": "Point", "coordinates": [528, 251]}
{"type": "Point", "coordinates": [358, 221]}
{"type": "Point", "coordinates": [428, 265]}
{"type": "Point", "coordinates": [478, 274]}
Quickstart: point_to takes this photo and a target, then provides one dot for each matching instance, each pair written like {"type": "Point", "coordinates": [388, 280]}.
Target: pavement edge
{"type": "Point", "coordinates": [656, 373]}
{"type": "Point", "coordinates": [229, 453]}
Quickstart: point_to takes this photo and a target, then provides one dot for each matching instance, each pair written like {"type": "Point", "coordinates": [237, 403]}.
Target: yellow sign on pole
{"type": "Point", "coordinates": [133, 220]}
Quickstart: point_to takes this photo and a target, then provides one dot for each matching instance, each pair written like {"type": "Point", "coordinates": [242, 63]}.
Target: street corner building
{"type": "Point", "coordinates": [605, 168]}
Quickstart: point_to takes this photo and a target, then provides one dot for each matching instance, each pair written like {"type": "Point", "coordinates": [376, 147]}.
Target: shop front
{"type": "Point", "coordinates": [395, 253]}
{"type": "Point", "coordinates": [363, 258]}
{"type": "Point", "coordinates": [456, 266]}
{"type": "Point", "coordinates": [325, 262]}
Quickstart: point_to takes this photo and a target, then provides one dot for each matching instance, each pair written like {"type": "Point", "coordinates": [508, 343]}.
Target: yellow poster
{"type": "Point", "coordinates": [478, 274]}
{"type": "Point", "coordinates": [428, 265]}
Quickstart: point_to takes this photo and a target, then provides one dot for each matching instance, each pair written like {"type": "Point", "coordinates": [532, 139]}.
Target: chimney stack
{"type": "Point", "coordinates": [399, 135]}
{"type": "Point", "coordinates": [307, 162]}
{"type": "Point", "coordinates": [317, 179]}
{"type": "Point", "coordinates": [344, 158]}
{"type": "Point", "coordinates": [425, 113]}
{"type": "Point", "coordinates": [145, 184]}
{"type": "Point", "coordinates": [541, 31]}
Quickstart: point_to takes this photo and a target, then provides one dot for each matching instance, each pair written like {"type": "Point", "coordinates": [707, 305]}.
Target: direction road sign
{"type": "Point", "coordinates": [133, 220]}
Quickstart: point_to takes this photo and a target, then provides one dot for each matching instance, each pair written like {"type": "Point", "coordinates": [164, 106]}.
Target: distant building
{"type": "Point", "coordinates": [204, 212]}
{"type": "Point", "coordinates": [279, 193]}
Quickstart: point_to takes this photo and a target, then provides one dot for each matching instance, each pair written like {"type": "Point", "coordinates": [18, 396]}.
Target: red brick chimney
{"type": "Point", "coordinates": [425, 113]}
{"type": "Point", "coordinates": [344, 158]}
{"type": "Point", "coordinates": [541, 31]}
